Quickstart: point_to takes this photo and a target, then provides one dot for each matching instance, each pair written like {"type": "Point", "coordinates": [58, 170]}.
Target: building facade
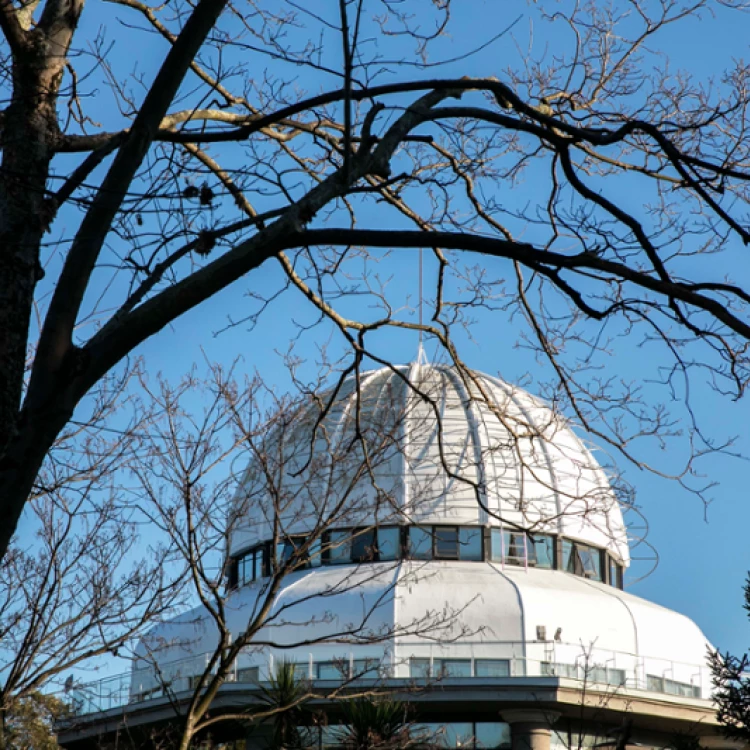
{"type": "Point", "coordinates": [444, 538]}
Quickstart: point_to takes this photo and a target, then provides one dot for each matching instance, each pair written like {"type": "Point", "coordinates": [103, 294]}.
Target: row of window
{"type": "Point", "coordinates": [672, 687]}
{"type": "Point", "coordinates": [465, 734]}
{"type": "Point", "coordinates": [420, 669]}
{"type": "Point", "coordinates": [440, 668]}
{"type": "Point", "coordinates": [419, 542]}
{"type": "Point", "coordinates": [594, 673]}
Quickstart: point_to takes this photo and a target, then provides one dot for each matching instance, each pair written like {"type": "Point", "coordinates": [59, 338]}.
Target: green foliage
{"type": "Point", "coordinates": [28, 723]}
{"type": "Point", "coordinates": [284, 697]}
{"type": "Point", "coordinates": [376, 724]}
{"type": "Point", "coordinates": [731, 679]}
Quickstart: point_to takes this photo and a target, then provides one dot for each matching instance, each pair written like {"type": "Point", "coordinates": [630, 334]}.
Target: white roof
{"type": "Point", "coordinates": [441, 609]}
{"type": "Point", "coordinates": [444, 448]}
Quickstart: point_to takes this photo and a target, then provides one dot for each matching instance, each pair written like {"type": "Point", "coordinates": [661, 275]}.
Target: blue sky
{"type": "Point", "coordinates": [703, 553]}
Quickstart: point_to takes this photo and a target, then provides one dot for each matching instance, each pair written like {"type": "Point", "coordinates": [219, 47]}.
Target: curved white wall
{"type": "Point", "coordinates": [500, 443]}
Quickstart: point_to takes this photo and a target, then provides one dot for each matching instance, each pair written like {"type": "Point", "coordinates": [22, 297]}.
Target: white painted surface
{"type": "Point", "coordinates": [534, 471]}
{"type": "Point", "coordinates": [445, 610]}
{"type": "Point", "coordinates": [501, 444]}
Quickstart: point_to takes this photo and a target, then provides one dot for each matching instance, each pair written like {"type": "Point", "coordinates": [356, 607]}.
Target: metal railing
{"type": "Point", "coordinates": [613, 670]}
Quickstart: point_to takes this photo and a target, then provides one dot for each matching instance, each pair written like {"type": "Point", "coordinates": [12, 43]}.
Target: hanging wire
{"type": "Point", "coordinates": [421, 297]}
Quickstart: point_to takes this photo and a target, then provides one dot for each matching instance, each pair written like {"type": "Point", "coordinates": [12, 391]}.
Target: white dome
{"type": "Point", "coordinates": [510, 460]}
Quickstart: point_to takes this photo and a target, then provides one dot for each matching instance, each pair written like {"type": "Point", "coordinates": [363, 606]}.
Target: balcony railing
{"type": "Point", "coordinates": [611, 670]}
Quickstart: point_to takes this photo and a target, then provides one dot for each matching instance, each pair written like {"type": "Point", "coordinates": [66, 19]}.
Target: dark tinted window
{"type": "Point", "coordinates": [446, 542]}
{"type": "Point", "coordinates": [363, 546]}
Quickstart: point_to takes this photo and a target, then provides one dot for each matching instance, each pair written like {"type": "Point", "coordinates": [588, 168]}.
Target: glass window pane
{"type": "Point", "coordinates": [389, 543]}
{"type": "Point", "coordinates": [366, 668]}
{"type": "Point", "coordinates": [470, 542]}
{"type": "Point", "coordinates": [497, 546]}
{"type": "Point", "coordinates": [451, 667]}
{"type": "Point", "coordinates": [332, 736]}
{"type": "Point", "coordinates": [316, 557]}
{"type": "Point", "coordinates": [568, 561]}
{"type": "Point", "coordinates": [301, 671]}
{"type": "Point", "coordinates": [247, 674]}
{"type": "Point", "coordinates": [363, 546]}
{"type": "Point", "coordinates": [339, 547]}
{"type": "Point", "coordinates": [515, 547]}
{"type": "Point", "coordinates": [332, 670]}
{"type": "Point", "coordinates": [597, 674]}
{"type": "Point", "coordinates": [615, 676]}
{"type": "Point", "coordinates": [419, 668]}
{"type": "Point", "coordinates": [492, 735]}
{"type": "Point", "coordinates": [560, 670]}
{"type": "Point", "coordinates": [309, 736]}
{"type": "Point", "coordinates": [655, 683]}
{"type": "Point", "coordinates": [284, 551]}
{"type": "Point", "coordinates": [615, 573]}
{"type": "Point", "coordinates": [455, 734]}
{"type": "Point", "coordinates": [544, 550]}
{"type": "Point", "coordinates": [258, 564]}
{"type": "Point", "coordinates": [591, 562]}
{"type": "Point", "coordinates": [420, 543]}
{"type": "Point", "coordinates": [446, 542]}
{"type": "Point", "coordinates": [492, 667]}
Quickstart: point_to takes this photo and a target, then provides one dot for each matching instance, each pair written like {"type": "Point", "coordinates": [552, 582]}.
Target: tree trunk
{"type": "Point", "coordinates": [28, 137]}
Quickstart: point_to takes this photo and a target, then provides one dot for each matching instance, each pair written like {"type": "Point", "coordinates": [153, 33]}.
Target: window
{"type": "Point", "coordinates": [451, 667]}
{"type": "Point", "coordinates": [615, 676]}
{"type": "Point", "coordinates": [682, 688]}
{"type": "Point", "coordinates": [521, 548]}
{"type": "Point", "coordinates": [615, 573]}
{"type": "Point", "coordinates": [604, 675]}
{"type": "Point", "coordinates": [420, 542]}
{"type": "Point", "coordinates": [491, 735]}
{"type": "Point", "coordinates": [569, 558]}
{"type": "Point", "coordinates": [332, 670]}
{"type": "Point", "coordinates": [497, 548]}
{"type": "Point", "coordinates": [542, 548]}
{"type": "Point", "coordinates": [515, 547]}
{"type": "Point", "coordinates": [315, 554]}
{"type": "Point", "coordinates": [445, 735]}
{"type": "Point", "coordinates": [290, 548]}
{"type": "Point", "coordinates": [446, 542]}
{"type": "Point", "coordinates": [360, 546]}
{"type": "Point", "coordinates": [591, 561]}
{"type": "Point", "coordinates": [556, 669]}
{"type": "Point", "coordinates": [419, 669]}
{"type": "Point", "coordinates": [250, 566]}
{"type": "Point", "coordinates": [366, 668]}
{"type": "Point", "coordinates": [258, 565]}
{"type": "Point", "coordinates": [654, 683]}
{"type": "Point", "coordinates": [389, 542]}
{"type": "Point", "coordinates": [363, 545]}
{"type": "Point", "coordinates": [582, 560]}
{"type": "Point", "coordinates": [247, 674]}
{"type": "Point", "coordinates": [339, 669]}
{"type": "Point", "coordinates": [301, 671]}
{"type": "Point", "coordinates": [470, 543]}
{"type": "Point", "coordinates": [672, 687]}
{"type": "Point", "coordinates": [492, 668]}
{"type": "Point", "coordinates": [339, 547]}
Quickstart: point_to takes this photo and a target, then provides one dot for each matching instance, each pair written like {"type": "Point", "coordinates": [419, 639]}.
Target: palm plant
{"type": "Point", "coordinates": [376, 724]}
{"type": "Point", "coordinates": [284, 696]}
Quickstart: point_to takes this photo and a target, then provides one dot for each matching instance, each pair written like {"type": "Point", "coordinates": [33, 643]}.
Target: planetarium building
{"type": "Point", "coordinates": [445, 538]}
